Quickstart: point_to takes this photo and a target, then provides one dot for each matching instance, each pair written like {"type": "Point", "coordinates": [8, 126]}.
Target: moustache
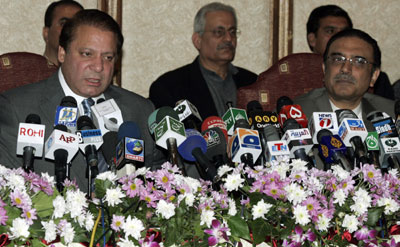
{"type": "Point", "coordinates": [228, 45]}
{"type": "Point", "coordinates": [344, 77]}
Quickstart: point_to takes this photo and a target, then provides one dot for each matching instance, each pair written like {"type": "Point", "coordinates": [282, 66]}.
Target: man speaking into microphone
{"type": "Point", "coordinates": [90, 43]}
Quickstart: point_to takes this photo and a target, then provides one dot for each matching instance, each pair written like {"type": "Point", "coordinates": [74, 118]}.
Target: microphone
{"type": "Point", "coordinates": [353, 132]}
{"type": "Point", "coordinates": [188, 114]}
{"type": "Point", "coordinates": [299, 140]}
{"type": "Point", "coordinates": [231, 116]}
{"type": "Point", "coordinates": [383, 124]}
{"type": "Point", "coordinates": [67, 113]}
{"type": "Point", "coordinates": [193, 149]}
{"type": "Point", "coordinates": [90, 140]}
{"type": "Point", "coordinates": [372, 145]}
{"type": "Point", "coordinates": [216, 146]}
{"type": "Point", "coordinates": [245, 144]}
{"type": "Point", "coordinates": [106, 115]}
{"type": "Point", "coordinates": [110, 142]}
{"type": "Point", "coordinates": [287, 110]}
{"type": "Point", "coordinates": [61, 146]}
{"type": "Point", "coordinates": [169, 133]}
{"type": "Point", "coordinates": [214, 121]}
{"type": "Point", "coordinates": [397, 114]}
{"type": "Point", "coordinates": [275, 147]}
{"type": "Point", "coordinates": [30, 140]}
{"type": "Point", "coordinates": [322, 120]}
{"type": "Point", "coordinates": [130, 149]}
{"type": "Point", "coordinates": [332, 149]}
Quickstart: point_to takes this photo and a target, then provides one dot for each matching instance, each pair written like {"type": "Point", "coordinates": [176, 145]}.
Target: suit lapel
{"type": "Point", "coordinates": [50, 98]}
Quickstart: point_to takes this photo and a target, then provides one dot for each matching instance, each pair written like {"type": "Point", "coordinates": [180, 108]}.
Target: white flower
{"type": "Point", "coordinates": [391, 206]}
{"type": "Point", "coordinates": [299, 165]}
{"type": "Point", "coordinates": [89, 222]}
{"type": "Point", "coordinates": [340, 197]}
{"type": "Point", "coordinates": [16, 182]}
{"type": "Point", "coordinates": [142, 171]}
{"type": "Point", "coordinates": [166, 209]}
{"type": "Point", "coordinates": [233, 181]}
{"type": "Point", "coordinates": [68, 233]}
{"type": "Point", "coordinates": [301, 215]}
{"type": "Point", "coordinates": [232, 207]}
{"type": "Point", "coordinates": [194, 184]}
{"type": "Point", "coordinates": [350, 222]}
{"type": "Point", "coordinates": [125, 243]}
{"type": "Point", "coordinates": [132, 227]}
{"type": "Point", "coordinates": [189, 199]}
{"type": "Point", "coordinates": [295, 193]}
{"type": "Point", "coordinates": [315, 184]}
{"type": "Point", "coordinates": [59, 207]}
{"type": "Point", "coordinates": [340, 173]}
{"type": "Point", "coordinates": [323, 223]}
{"type": "Point", "coordinates": [224, 169]}
{"type": "Point", "coordinates": [260, 209]}
{"type": "Point", "coordinates": [50, 230]}
{"type": "Point", "coordinates": [19, 229]}
{"type": "Point", "coordinates": [362, 201]}
{"type": "Point", "coordinates": [75, 202]}
{"type": "Point", "coordinates": [207, 217]}
{"type": "Point", "coordinates": [108, 175]}
{"type": "Point", "coordinates": [281, 169]}
{"type": "Point", "coordinates": [48, 178]}
{"type": "Point", "coordinates": [113, 196]}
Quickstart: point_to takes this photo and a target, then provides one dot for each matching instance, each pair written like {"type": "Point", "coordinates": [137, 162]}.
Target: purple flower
{"type": "Point", "coordinates": [3, 216]}
{"type": "Point", "coordinates": [132, 188]}
{"type": "Point", "coordinates": [298, 238]}
{"type": "Point", "coordinates": [117, 222]}
{"type": "Point", "coordinates": [217, 232]}
{"type": "Point", "coordinates": [30, 215]}
{"type": "Point", "coordinates": [148, 242]}
{"type": "Point", "coordinates": [391, 244]}
{"type": "Point", "coordinates": [19, 199]}
{"type": "Point", "coordinates": [363, 234]}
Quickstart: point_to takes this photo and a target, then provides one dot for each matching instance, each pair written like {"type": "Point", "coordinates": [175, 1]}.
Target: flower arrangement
{"type": "Point", "coordinates": [282, 204]}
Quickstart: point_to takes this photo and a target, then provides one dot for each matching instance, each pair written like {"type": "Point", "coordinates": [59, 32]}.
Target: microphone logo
{"type": "Point", "coordinates": [325, 150]}
{"type": "Point", "coordinates": [180, 109]}
{"type": "Point", "coordinates": [325, 123]}
{"type": "Point", "coordinates": [295, 113]}
{"type": "Point", "coordinates": [336, 143]}
{"type": "Point", "coordinates": [371, 142]}
{"type": "Point", "coordinates": [391, 142]}
{"type": "Point", "coordinates": [212, 138]}
{"type": "Point", "coordinates": [70, 139]}
{"type": "Point", "coordinates": [68, 114]}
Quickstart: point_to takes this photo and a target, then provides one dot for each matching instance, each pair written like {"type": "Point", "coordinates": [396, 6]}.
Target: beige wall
{"type": "Point", "coordinates": [378, 18]}
{"type": "Point", "coordinates": [158, 32]}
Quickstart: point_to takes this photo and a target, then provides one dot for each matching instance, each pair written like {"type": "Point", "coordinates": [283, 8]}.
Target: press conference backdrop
{"type": "Point", "coordinates": [158, 32]}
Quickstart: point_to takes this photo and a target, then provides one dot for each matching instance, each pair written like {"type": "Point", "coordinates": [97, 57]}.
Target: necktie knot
{"type": "Point", "coordinates": [86, 104]}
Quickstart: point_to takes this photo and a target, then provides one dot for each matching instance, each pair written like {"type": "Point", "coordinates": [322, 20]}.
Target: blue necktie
{"type": "Point", "coordinates": [86, 104]}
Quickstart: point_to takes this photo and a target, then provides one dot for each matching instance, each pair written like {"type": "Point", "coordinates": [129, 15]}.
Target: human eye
{"type": "Point", "coordinates": [359, 60]}
{"type": "Point", "coordinates": [329, 30]}
{"type": "Point", "coordinates": [337, 58]}
{"type": "Point", "coordinates": [109, 57]}
{"type": "Point", "coordinates": [85, 53]}
{"type": "Point", "coordinates": [219, 32]}
{"type": "Point", "coordinates": [232, 31]}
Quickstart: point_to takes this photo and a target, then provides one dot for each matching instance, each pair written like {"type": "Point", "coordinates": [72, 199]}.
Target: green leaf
{"type": "Point", "coordinates": [374, 215]}
{"type": "Point", "coordinates": [44, 203]}
{"type": "Point", "coordinates": [239, 227]}
{"type": "Point", "coordinates": [101, 187]}
{"type": "Point", "coordinates": [37, 243]}
{"type": "Point", "coordinates": [260, 229]}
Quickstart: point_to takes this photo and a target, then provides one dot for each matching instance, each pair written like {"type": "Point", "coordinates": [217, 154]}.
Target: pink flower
{"type": "Point", "coordinates": [217, 233]}
{"type": "Point", "coordinates": [20, 200]}
{"type": "Point", "coordinates": [3, 216]}
{"type": "Point", "coordinates": [363, 234]}
{"type": "Point", "coordinates": [117, 222]}
{"type": "Point", "coordinates": [30, 215]}
{"type": "Point", "coordinates": [148, 242]}
{"type": "Point", "coordinates": [132, 188]}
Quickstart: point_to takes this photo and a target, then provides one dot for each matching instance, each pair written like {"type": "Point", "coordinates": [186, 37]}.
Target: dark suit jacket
{"type": "Point", "coordinates": [42, 98]}
{"type": "Point", "coordinates": [187, 82]}
{"type": "Point", "coordinates": [317, 101]}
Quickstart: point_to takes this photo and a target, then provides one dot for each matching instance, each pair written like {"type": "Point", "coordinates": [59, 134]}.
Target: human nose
{"type": "Point", "coordinates": [97, 64]}
{"type": "Point", "coordinates": [347, 66]}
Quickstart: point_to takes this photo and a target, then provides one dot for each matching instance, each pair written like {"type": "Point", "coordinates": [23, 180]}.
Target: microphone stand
{"type": "Point", "coordinates": [174, 156]}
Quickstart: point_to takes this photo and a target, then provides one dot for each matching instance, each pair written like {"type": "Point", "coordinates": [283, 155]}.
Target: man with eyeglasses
{"type": "Point", "coordinates": [211, 81]}
{"type": "Point", "coordinates": [327, 20]}
{"type": "Point", "coordinates": [352, 61]}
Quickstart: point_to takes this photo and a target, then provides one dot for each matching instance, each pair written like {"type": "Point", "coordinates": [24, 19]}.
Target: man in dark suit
{"type": "Point", "coordinates": [211, 80]}
{"type": "Point", "coordinates": [89, 45]}
{"type": "Point", "coordinates": [327, 20]}
{"type": "Point", "coordinates": [352, 63]}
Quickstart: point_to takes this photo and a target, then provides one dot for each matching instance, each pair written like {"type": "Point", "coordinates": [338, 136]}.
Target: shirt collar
{"type": "Point", "coordinates": [357, 110]}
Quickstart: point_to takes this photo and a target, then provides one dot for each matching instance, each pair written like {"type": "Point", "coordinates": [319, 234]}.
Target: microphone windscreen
{"type": "Point", "coordinates": [270, 133]}
{"type": "Point", "coordinates": [128, 129]}
{"type": "Point", "coordinates": [85, 123]}
{"type": "Point", "coordinates": [68, 101]}
{"type": "Point", "coordinates": [166, 111]}
{"type": "Point", "coordinates": [375, 116]}
{"type": "Point", "coordinates": [282, 101]}
{"type": "Point", "coordinates": [322, 133]}
{"type": "Point", "coordinates": [110, 141]}
{"type": "Point", "coordinates": [253, 105]}
{"type": "Point", "coordinates": [61, 127]}
{"type": "Point", "coordinates": [242, 123]}
{"type": "Point", "coordinates": [33, 118]}
{"type": "Point", "coordinates": [100, 100]}
{"type": "Point", "coordinates": [344, 113]}
{"type": "Point", "coordinates": [397, 108]}
{"type": "Point", "coordinates": [290, 124]}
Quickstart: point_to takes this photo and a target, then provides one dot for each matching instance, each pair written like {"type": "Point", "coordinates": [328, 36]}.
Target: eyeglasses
{"type": "Point", "coordinates": [221, 32]}
{"type": "Point", "coordinates": [355, 61]}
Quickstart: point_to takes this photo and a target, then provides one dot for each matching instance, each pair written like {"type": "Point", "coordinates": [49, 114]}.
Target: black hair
{"type": "Point", "coordinates": [49, 15]}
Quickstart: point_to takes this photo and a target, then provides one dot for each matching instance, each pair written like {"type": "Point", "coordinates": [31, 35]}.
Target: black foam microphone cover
{"type": "Point", "coordinates": [282, 101]}
{"type": "Point", "coordinates": [33, 118]}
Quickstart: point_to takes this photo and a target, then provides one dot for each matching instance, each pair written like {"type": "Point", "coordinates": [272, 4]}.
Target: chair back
{"type": "Point", "coordinates": [291, 76]}
{"type": "Point", "coordinates": [20, 68]}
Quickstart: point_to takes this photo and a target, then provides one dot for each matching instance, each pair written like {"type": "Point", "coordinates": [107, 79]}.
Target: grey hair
{"type": "Point", "coordinates": [200, 18]}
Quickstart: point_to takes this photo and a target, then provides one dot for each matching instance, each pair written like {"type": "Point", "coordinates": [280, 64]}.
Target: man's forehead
{"type": "Point", "coordinates": [333, 21]}
{"type": "Point", "coordinates": [351, 46]}
{"type": "Point", "coordinates": [217, 16]}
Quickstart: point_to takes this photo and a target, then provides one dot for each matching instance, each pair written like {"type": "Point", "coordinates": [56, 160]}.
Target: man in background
{"type": "Point", "coordinates": [211, 81]}
{"type": "Point", "coordinates": [327, 20]}
{"type": "Point", "coordinates": [54, 19]}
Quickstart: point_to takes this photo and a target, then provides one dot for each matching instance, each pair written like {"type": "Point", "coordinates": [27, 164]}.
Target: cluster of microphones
{"type": "Point", "coordinates": [252, 137]}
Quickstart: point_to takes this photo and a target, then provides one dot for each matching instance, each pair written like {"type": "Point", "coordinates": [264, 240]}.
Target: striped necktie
{"type": "Point", "coordinates": [86, 104]}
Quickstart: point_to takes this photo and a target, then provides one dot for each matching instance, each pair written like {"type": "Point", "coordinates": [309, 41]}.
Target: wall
{"type": "Point", "coordinates": [377, 18]}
